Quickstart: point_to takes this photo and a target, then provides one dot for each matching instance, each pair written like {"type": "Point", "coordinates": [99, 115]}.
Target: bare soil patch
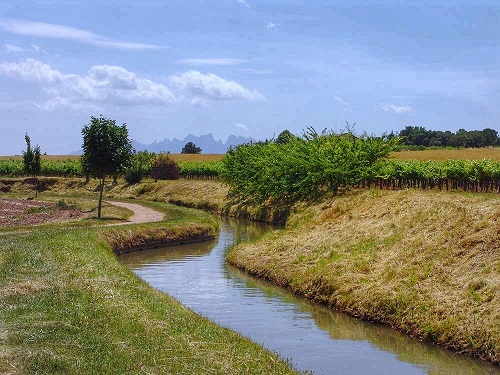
{"type": "Point", "coordinates": [141, 214]}
{"type": "Point", "coordinates": [19, 212]}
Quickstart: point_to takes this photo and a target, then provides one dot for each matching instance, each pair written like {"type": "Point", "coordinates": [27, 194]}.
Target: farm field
{"type": "Point", "coordinates": [440, 155]}
{"type": "Point", "coordinates": [422, 155]}
{"type": "Point", "coordinates": [176, 157]}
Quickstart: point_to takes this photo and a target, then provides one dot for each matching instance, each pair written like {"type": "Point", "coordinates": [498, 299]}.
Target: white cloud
{"type": "Point", "coordinates": [102, 84]}
{"type": "Point", "coordinates": [241, 126]}
{"type": "Point", "coordinates": [31, 70]}
{"type": "Point", "coordinates": [115, 85]}
{"type": "Point", "coordinates": [272, 27]}
{"type": "Point", "coordinates": [244, 3]}
{"type": "Point", "coordinates": [338, 100]}
{"type": "Point", "coordinates": [251, 71]}
{"type": "Point", "coordinates": [54, 31]}
{"type": "Point", "coordinates": [198, 102]}
{"type": "Point", "coordinates": [9, 48]}
{"type": "Point", "coordinates": [37, 49]}
{"type": "Point", "coordinates": [211, 86]}
{"type": "Point", "coordinates": [389, 107]}
{"type": "Point", "coordinates": [212, 61]}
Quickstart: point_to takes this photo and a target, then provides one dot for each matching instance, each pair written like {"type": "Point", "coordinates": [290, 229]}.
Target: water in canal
{"type": "Point", "coordinates": [313, 337]}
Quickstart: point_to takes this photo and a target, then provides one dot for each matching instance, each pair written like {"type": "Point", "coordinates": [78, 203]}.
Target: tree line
{"type": "Point", "coordinates": [419, 136]}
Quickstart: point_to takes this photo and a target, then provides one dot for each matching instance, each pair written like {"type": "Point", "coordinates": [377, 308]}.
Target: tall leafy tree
{"type": "Point", "coordinates": [31, 161]}
{"type": "Point", "coordinates": [106, 150]}
{"type": "Point", "coordinates": [190, 148]}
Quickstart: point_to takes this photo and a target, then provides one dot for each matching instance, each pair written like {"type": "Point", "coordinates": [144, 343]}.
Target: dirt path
{"type": "Point", "coordinates": [141, 214]}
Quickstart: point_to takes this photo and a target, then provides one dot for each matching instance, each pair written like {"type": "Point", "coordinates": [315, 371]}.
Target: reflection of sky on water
{"type": "Point", "coordinates": [312, 336]}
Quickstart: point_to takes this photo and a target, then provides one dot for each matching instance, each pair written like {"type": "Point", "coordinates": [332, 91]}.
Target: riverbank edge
{"type": "Point", "coordinates": [67, 302]}
{"type": "Point", "coordinates": [301, 215]}
{"type": "Point", "coordinates": [312, 273]}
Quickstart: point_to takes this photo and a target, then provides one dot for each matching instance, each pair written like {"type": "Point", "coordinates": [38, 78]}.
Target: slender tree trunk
{"type": "Point", "coordinates": [36, 186]}
{"type": "Point", "coordinates": [100, 197]}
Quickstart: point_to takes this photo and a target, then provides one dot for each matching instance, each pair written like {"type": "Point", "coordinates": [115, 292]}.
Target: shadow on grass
{"type": "Point", "coordinates": [275, 213]}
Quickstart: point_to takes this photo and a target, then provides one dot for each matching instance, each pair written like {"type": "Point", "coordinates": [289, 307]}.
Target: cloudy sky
{"type": "Point", "coordinates": [244, 67]}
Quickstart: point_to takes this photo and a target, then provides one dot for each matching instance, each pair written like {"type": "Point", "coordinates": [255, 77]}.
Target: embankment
{"type": "Point", "coordinates": [67, 306]}
{"type": "Point", "coordinates": [424, 262]}
{"type": "Point", "coordinates": [207, 195]}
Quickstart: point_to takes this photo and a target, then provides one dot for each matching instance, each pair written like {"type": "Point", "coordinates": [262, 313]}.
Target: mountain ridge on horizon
{"type": "Point", "coordinates": [206, 142]}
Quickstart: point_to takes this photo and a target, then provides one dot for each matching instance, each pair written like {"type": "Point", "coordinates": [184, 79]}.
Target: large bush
{"type": "Point", "coordinates": [164, 168]}
{"type": "Point", "coordinates": [303, 167]}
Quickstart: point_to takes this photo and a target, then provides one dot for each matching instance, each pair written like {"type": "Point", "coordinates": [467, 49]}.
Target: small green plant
{"type": "Point", "coordinates": [63, 205]}
{"type": "Point", "coordinates": [35, 210]}
{"type": "Point", "coordinates": [31, 161]}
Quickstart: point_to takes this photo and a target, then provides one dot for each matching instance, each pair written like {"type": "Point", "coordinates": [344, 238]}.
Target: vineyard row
{"type": "Point", "coordinates": [466, 175]}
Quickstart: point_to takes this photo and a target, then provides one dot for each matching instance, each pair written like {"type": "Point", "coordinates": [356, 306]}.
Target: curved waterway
{"type": "Point", "coordinates": [312, 337]}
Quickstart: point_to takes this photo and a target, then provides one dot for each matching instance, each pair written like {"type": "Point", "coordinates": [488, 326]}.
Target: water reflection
{"type": "Point", "coordinates": [312, 336]}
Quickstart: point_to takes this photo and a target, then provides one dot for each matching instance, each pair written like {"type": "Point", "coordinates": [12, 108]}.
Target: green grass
{"type": "Point", "coordinates": [68, 306]}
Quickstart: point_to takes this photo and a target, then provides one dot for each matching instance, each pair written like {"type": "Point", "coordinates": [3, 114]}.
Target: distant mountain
{"type": "Point", "coordinates": [207, 143]}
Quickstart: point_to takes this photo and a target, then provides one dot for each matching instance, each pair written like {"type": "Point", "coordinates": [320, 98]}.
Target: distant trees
{"type": "Point", "coordinates": [106, 150]}
{"type": "Point", "coordinates": [284, 137]}
{"type": "Point", "coordinates": [31, 161]}
{"type": "Point", "coordinates": [419, 136]}
{"type": "Point", "coordinates": [190, 148]}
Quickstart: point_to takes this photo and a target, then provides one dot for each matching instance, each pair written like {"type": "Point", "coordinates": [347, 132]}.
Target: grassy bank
{"type": "Point", "coordinates": [425, 262]}
{"type": "Point", "coordinates": [208, 195]}
{"type": "Point", "coordinates": [68, 306]}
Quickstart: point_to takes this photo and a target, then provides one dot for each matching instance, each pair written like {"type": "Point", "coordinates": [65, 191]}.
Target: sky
{"type": "Point", "coordinates": [245, 67]}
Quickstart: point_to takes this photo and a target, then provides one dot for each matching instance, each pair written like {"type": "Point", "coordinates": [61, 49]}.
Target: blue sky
{"type": "Point", "coordinates": [246, 67]}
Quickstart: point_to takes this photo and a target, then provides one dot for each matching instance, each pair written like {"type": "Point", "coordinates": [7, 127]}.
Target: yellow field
{"type": "Point", "coordinates": [176, 157]}
{"type": "Point", "coordinates": [468, 153]}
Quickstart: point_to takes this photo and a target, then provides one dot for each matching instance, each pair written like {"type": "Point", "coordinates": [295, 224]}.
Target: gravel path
{"type": "Point", "coordinates": [141, 214]}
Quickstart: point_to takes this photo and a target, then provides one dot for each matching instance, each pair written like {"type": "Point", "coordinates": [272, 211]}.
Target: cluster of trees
{"type": "Point", "coordinates": [108, 151]}
{"type": "Point", "coordinates": [290, 167]}
{"type": "Point", "coordinates": [191, 148]}
{"type": "Point", "coordinates": [293, 168]}
{"type": "Point", "coordinates": [420, 137]}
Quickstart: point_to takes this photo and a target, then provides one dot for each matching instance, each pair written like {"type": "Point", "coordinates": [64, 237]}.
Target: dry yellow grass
{"type": "Point", "coordinates": [203, 194]}
{"type": "Point", "coordinates": [197, 157]}
{"type": "Point", "coordinates": [468, 153]}
{"type": "Point", "coordinates": [176, 157]}
{"type": "Point", "coordinates": [439, 155]}
{"type": "Point", "coordinates": [426, 263]}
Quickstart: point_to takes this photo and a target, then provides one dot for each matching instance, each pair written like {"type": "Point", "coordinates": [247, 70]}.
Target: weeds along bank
{"type": "Point", "coordinates": [69, 307]}
{"type": "Point", "coordinates": [424, 262]}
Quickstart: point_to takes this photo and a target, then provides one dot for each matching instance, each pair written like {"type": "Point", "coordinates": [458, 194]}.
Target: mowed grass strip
{"type": "Point", "coordinates": [424, 262]}
{"type": "Point", "coordinates": [68, 306]}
